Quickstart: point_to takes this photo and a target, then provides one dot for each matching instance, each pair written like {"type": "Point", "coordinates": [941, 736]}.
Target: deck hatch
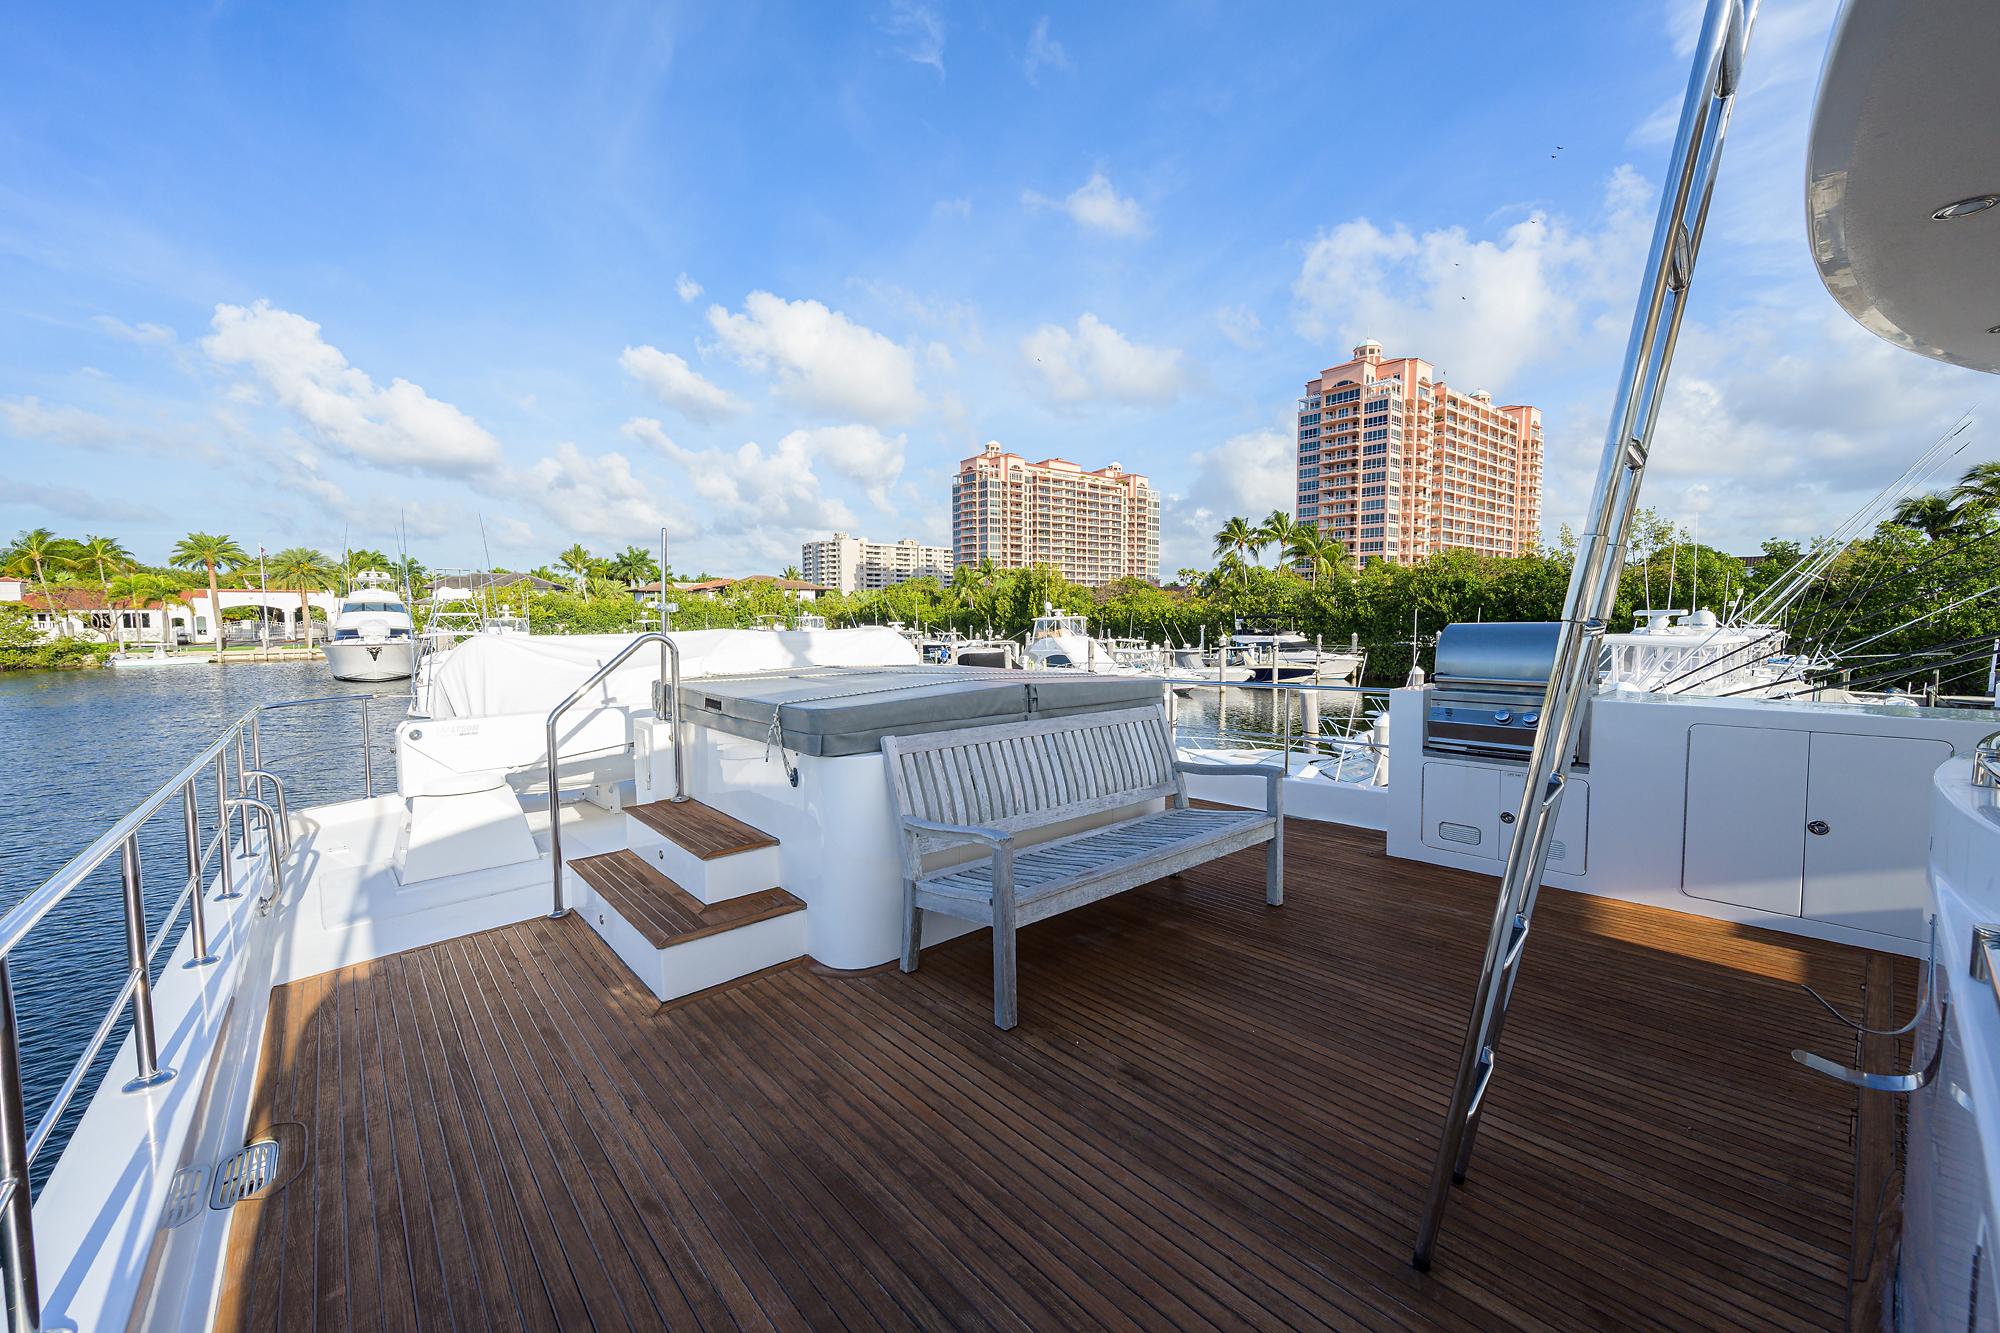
{"type": "Point", "coordinates": [245, 1174]}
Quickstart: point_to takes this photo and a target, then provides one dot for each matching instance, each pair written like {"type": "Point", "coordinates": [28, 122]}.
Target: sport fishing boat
{"type": "Point", "coordinates": [576, 1008]}
{"type": "Point", "coordinates": [373, 637]}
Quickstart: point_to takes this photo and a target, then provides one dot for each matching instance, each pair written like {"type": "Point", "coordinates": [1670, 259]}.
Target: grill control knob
{"type": "Point", "coordinates": [1503, 717]}
{"type": "Point", "coordinates": [1530, 719]}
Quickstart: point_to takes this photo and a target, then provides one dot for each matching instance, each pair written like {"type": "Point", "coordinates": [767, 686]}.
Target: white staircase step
{"type": "Point", "coordinates": [713, 856]}
{"type": "Point", "coordinates": [673, 942]}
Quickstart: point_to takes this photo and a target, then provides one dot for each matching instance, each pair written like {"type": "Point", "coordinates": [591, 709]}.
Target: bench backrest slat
{"type": "Point", "coordinates": [1023, 775]}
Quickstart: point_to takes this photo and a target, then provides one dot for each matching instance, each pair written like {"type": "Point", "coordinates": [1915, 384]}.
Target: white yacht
{"type": "Point", "coordinates": [1285, 657]}
{"type": "Point", "coordinates": [582, 1013]}
{"type": "Point", "coordinates": [373, 637]}
{"type": "Point", "coordinates": [1062, 641]}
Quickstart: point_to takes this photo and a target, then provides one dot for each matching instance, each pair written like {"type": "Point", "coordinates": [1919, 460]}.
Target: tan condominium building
{"type": "Point", "coordinates": [1394, 464]}
{"type": "Point", "coordinates": [850, 564]}
{"type": "Point", "coordinates": [1096, 527]}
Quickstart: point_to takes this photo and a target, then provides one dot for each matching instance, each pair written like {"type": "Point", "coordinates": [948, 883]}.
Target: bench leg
{"type": "Point", "coordinates": [1006, 1008]}
{"type": "Point", "coordinates": [1006, 1011]}
{"type": "Point", "coordinates": [913, 928]}
{"type": "Point", "coordinates": [1274, 868]}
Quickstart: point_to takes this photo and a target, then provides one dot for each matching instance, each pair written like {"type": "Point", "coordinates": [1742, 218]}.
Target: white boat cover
{"type": "Point", "coordinates": [490, 675]}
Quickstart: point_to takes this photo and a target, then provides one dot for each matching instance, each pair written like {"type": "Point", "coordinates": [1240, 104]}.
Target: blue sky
{"type": "Point", "coordinates": [755, 271]}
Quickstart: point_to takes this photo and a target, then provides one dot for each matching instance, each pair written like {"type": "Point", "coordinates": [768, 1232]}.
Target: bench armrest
{"type": "Point", "coordinates": [993, 838]}
{"type": "Point", "coordinates": [1228, 770]}
{"type": "Point", "coordinates": [1273, 775]}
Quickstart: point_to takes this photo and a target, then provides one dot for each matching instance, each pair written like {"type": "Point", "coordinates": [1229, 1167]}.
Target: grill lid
{"type": "Point", "coordinates": [1497, 652]}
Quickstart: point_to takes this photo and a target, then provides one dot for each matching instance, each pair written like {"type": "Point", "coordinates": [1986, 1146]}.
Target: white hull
{"type": "Point", "coordinates": [358, 659]}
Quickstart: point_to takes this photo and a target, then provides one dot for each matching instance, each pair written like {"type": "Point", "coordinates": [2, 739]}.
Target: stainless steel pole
{"type": "Point", "coordinates": [367, 750]}
{"type": "Point", "coordinates": [1593, 587]}
{"type": "Point", "coordinates": [198, 918]}
{"type": "Point", "coordinates": [227, 849]}
{"type": "Point", "coordinates": [17, 1216]}
{"type": "Point", "coordinates": [144, 1043]}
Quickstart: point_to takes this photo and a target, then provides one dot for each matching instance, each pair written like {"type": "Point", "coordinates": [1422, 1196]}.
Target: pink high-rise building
{"type": "Point", "coordinates": [1096, 527]}
{"type": "Point", "coordinates": [1395, 465]}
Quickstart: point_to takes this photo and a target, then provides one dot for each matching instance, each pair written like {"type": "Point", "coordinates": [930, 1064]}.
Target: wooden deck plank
{"type": "Point", "coordinates": [1213, 1112]}
{"type": "Point", "coordinates": [702, 830]}
{"type": "Point", "coordinates": [664, 912]}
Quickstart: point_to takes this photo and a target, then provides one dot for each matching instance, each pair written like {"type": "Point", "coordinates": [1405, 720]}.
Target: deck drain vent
{"type": "Point", "coordinates": [184, 1196]}
{"type": "Point", "coordinates": [247, 1174]}
{"type": "Point", "coordinates": [1465, 833]}
{"type": "Point", "coordinates": [1558, 850]}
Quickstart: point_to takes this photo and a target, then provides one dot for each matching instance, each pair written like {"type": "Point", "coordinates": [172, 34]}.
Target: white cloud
{"type": "Point", "coordinates": [959, 207]}
{"type": "Point", "coordinates": [155, 334]}
{"type": "Point", "coordinates": [671, 380]}
{"type": "Point", "coordinates": [918, 30]}
{"type": "Point", "coordinates": [825, 361]}
{"type": "Point", "coordinates": [399, 427]}
{"type": "Point", "coordinates": [1098, 206]}
{"type": "Point", "coordinates": [1482, 309]}
{"type": "Point", "coordinates": [30, 419]}
{"type": "Point", "coordinates": [862, 454]}
{"type": "Point", "coordinates": [1096, 361]}
{"type": "Point", "coordinates": [1044, 52]}
{"type": "Point", "coordinates": [594, 495]}
{"type": "Point", "coordinates": [686, 288]}
{"type": "Point", "coordinates": [1248, 475]}
{"type": "Point", "coordinates": [768, 496]}
{"type": "Point", "coordinates": [87, 507]}
{"type": "Point", "coordinates": [1239, 324]}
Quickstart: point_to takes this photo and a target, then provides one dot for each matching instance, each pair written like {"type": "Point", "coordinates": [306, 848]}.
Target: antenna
{"type": "Point", "coordinates": [486, 583]}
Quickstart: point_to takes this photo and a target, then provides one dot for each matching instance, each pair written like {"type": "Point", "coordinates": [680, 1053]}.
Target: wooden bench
{"type": "Point", "coordinates": [985, 786]}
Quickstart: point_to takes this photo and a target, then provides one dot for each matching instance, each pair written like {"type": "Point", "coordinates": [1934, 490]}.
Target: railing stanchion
{"type": "Point", "coordinates": [145, 1044]}
{"type": "Point", "coordinates": [367, 753]}
{"type": "Point", "coordinates": [256, 740]}
{"type": "Point", "coordinates": [17, 1215]}
{"type": "Point", "coordinates": [198, 918]}
{"type": "Point", "coordinates": [227, 849]}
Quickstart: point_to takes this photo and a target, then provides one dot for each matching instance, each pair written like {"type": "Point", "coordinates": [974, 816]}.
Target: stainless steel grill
{"type": "Point", "coordinates": [1486, 694]}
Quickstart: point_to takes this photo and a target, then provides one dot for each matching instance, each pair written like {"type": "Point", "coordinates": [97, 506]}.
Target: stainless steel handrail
{"type": "Point", "coordinates": [670, 672]}
{"type": "Point", "coordinates": [259, 776]}
{"type": "Point", "coordinates": [272, 845]}
{"type": "Point", "coordinates": [18, 1148]}
{"type": "Point", "coordinates": [1986, 761]}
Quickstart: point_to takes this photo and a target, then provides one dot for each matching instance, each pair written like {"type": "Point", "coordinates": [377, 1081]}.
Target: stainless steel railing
{"type": "Point", "coordinates": [19, 1145]}
{"type": "Point", "coordinates": [670, 676]}
{"type": "Point", "coordinates": [1304, 741]}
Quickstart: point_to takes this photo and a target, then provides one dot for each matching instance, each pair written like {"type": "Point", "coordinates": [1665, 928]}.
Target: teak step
{"type": "Point", "coordinates": [673, 941]}
{"type": "Point", "coordinates": [703, 830]}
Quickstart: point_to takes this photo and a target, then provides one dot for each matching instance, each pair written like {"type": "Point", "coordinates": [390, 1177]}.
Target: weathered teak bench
{"type": "Point", "coordinates": [986, 785]}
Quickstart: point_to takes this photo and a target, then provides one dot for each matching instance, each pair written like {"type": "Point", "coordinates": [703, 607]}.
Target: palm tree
{"type": "Point", "coordinates": [107, 556]}
{"type": "Point", "coordinates": [577, 561]}
{"type": "Point", "coordinates": [634, 564]}
{"type": "Point", "coordinates": [33, 552]}
{"type": "Point", "coordinates": [1934, 515]}
{"type": "Point", "coordinates": [791, 572]}
{"type": "Point", "coordinates": [1977, 494]}
{"type": "Point", "coordinates": [367, 559]}
{"type": "Point", "coordinates": [1318, 553]}
{"type": "Point", "coordinates": [309, 572]}
{"type": "Point", "coordinates": [1276, 530]}
{"type": "Point", "coordinates": [209, 552]}
{"type": "Point", "coordinates": [1237, 538]}
{"type": "Point", "coordinates": [142, 589]}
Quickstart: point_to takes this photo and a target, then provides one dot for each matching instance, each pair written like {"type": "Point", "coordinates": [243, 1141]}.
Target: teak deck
{"type": "Point", "coordinates": [663, 911]}
{"type": "Point", "coordinates": [1213, 1112]}
{"type": "Point", "coordinates": [702, 829]}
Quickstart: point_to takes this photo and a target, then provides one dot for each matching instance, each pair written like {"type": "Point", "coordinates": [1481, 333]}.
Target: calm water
{"type": "Point", "coordinates": [83, 748]}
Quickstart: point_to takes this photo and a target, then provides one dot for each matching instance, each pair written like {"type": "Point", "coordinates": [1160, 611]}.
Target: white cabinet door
{"type": "Point", "coordinates": [1746, 814]}
{"type": "Point", "coordinates": [1871, 796]}
{"type": "Point", "coordinates": [1462, 809]}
